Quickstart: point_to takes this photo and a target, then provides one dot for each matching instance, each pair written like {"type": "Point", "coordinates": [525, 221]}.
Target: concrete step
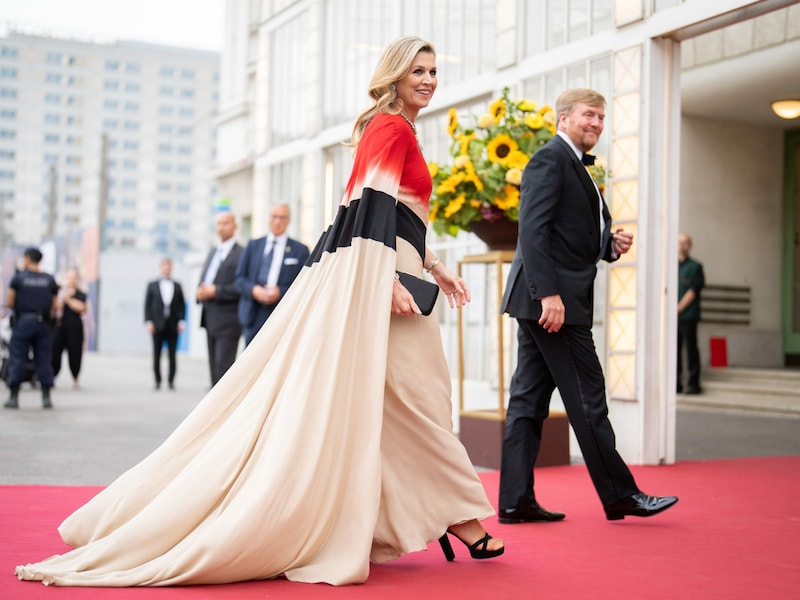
{"type": "Point", "coordinates": [763, 390]}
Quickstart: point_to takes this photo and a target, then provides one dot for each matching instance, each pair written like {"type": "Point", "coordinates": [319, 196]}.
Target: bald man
{"type": "Point", "coordinates": [690, 281]}
{"type": "Point", "coordinates": [219, 297]}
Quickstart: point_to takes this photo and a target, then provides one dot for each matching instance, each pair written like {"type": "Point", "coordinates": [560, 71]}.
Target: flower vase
{"type": "Point", "coordinates": [499, 234]}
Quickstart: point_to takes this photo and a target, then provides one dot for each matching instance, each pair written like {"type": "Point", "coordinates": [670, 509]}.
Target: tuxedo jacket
{"type": "Point", "coordinates": [560, 242]}
{"type": "Point", "coordinates": [294, 258]}
{"type": "Point", "coordinates": [154, 307]}
{"type": "Point", "coordinates": [220, 313]}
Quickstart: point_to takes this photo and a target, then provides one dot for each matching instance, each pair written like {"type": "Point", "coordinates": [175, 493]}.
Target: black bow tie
{"type": "Point", "coordinates": [588, 159]}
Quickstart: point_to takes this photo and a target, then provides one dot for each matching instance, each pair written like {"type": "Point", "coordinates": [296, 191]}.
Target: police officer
{"type": "Point", "coordinates": [32, 296]}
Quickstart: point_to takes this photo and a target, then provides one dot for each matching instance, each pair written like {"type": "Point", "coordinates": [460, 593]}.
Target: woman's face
{"type": "Point", "coordinates": [72, 278]}
{"type": "Point", "coordinates": [416, 88]}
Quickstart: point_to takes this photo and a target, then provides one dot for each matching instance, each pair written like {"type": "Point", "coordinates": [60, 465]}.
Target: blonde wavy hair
{"type": "Point", "coordinates": [393, 65]}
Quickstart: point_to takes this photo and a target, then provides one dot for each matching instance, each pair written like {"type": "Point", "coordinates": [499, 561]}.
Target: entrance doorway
{"type": "Point", "coordinates": [791, 250]}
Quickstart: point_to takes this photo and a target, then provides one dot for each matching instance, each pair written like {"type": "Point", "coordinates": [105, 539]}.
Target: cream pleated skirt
{"type": "Point", "coordinates": [323, 448]}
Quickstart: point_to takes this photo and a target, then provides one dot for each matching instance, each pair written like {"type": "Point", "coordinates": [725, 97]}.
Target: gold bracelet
{"type": "Point", "coordinates": [433, 264]}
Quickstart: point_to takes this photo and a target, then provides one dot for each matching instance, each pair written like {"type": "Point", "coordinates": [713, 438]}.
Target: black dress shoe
{"type": "Point", "coordinates": [693, 390]}
{"type": "Point", "coordinates": [638, 505]}
{"type": "Point", "coordinates": [528, 514]}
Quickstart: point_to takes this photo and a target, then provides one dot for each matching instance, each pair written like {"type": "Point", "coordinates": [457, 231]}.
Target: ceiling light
{"type": "Point", "coordinates": [787, 109]}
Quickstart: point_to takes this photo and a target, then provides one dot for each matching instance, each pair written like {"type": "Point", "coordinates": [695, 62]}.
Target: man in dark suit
{"type": "Point", "coordinates": [564, 230]}
{"type": "Point", "coordinates": [164, 315]}
{"type": "Point", "coordinates": [220, 299]}
{"type": "Point", "coordinates": [267, 268]}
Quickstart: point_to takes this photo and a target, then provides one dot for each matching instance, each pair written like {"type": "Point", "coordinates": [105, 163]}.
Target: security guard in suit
{"type": "Point", "coordinates": [32, 296]}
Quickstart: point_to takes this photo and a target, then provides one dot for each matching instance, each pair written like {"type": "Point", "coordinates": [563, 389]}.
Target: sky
{"type": "Point", "coordinates": [187, 23]}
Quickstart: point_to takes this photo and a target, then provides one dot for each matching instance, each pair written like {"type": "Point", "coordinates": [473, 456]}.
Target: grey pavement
{"type": "Point", "coordinates": [94, 434]}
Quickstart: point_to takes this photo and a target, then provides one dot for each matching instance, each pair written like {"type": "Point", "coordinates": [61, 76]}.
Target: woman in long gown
{"type": "Point", "coordinates": [328, 444]}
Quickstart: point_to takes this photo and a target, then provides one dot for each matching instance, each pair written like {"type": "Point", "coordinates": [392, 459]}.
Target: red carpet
{"type": "Point", "coordinates": [734, 534]}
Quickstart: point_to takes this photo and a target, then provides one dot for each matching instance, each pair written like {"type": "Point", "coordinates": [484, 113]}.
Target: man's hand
{"type": "Point", "coordinates": [552, 313]}
{"type": "Point", "coordinates": [621, 242]}
{"type": "Point", "coordinates": [206, 291]}
{"type": "Point", "coordinates": [266, 294]}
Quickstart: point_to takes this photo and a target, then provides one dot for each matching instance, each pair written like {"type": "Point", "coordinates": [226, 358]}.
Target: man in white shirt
{"type": "Point", "coordinates": [267, 268]}
{"type": "Point", "coordinates": [164, 316]}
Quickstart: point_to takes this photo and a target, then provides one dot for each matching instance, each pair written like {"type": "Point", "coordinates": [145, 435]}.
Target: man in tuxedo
{"type": "Point", "coordinates": [267, 268]}
{"type": "Point", "coordinates": [219, 298]}
{"type": "Point", "coordinates": [164, 314]}
{"type": "Point", "coordinates": [564, 230]}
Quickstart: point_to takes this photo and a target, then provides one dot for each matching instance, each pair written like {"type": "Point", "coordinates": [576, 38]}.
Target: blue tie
{"type": "Point", "coordinates": [266, 263]}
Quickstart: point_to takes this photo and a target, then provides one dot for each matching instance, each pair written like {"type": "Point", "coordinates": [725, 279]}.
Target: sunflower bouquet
{"type": "Point", "coordinates": [489, 154]}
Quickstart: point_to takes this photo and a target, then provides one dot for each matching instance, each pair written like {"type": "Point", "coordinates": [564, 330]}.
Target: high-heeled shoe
{"type": "Point", "coordinates": [479, 549]}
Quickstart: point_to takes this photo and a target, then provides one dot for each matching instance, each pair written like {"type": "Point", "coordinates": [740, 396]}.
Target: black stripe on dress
{"type": "Point", "coordinates": [373, 216]}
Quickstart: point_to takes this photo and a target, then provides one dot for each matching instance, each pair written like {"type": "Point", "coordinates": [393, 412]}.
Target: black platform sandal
{"type": "Point", "coordinates": [477, 550]}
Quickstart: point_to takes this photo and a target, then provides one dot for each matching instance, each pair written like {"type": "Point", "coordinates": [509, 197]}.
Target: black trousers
{"type": "Point", "coordinates": [170, 336]}
{"type": "Point", "coordinates": [221, 354]}
{"type": "Point", "coordinates": [69, 337]}
{"type": "Point", "coordinates": [687, 338]}
{"type": "Point", "coordinates": [567, 360]}
{"type": "Point", "coordinates": [30, 332]}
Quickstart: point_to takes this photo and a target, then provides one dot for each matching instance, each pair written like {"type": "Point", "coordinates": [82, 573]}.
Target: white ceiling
{"type": "Point", "coordinates": [742, 89]}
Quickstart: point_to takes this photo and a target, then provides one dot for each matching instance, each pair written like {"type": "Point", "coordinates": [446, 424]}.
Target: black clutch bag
{"type": "Point", "coordinates": [424, 292]}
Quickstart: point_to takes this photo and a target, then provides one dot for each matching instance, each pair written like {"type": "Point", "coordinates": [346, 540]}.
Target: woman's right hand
{"type": "Point", "coordinates": [402, 300]}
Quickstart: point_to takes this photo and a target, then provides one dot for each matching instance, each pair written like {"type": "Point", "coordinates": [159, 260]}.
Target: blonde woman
{"type": "Point", "coordinates": [328, 444]}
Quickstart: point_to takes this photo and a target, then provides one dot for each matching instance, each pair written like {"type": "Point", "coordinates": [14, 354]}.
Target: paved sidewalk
{"type": "Point", "coordinates": [94, 434]}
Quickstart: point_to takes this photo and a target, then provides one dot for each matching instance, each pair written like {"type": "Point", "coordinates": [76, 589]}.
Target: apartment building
{"type": "Point", "coordinates": [112, 132]}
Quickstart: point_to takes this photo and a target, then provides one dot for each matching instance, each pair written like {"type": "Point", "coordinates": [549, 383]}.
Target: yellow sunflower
{"type": "Point", "coordinates": [452, 121]}
{"type": "Point", "coordinates": [526, 105]}
{"type": "Point", "coordinates": [454, 205]}
{"type": "Point", "coordinates": [449, 185]}
{"type": "Point", "coordinates": [464, 139]}
{"type": "Point", "coordinates": [498, 110]}
{"type": "Point", "coordinates": [433, 169]}
{"type": "Point", "coordinates": [534, 121]}
{"type": "Point", "coordinates": [499, 147]}
{"type": "Point", "coordinates": [507, 198]}
{"type": "Point", "coordinates": [516, 160]}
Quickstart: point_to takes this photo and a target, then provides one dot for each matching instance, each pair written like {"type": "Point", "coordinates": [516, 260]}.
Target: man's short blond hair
{"type": "Point", "coordinates": [568, 99]}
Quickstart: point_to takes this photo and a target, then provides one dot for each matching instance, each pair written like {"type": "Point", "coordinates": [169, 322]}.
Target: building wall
{"type": "Point", "coordinates": [623, 48]}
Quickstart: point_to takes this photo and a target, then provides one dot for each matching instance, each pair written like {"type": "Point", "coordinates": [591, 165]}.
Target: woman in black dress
{"type": "Point", "coordinates": [68, 334]}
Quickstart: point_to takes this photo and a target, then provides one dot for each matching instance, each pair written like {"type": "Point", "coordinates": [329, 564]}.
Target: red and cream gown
{"type": "Point", "coordinates": [327, 445]}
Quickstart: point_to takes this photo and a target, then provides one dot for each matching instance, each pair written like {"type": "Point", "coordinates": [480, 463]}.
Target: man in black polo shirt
{"type": "Point", "coordinates": [32, 296]}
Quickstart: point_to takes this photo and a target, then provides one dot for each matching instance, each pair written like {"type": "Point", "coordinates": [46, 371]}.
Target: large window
{"type": "Point", "coordinates": [285, 185]}
{"type": "Point", "coordinates": [594, 73]}
{"type": "Point", "coordinates": [553, 23]}
{"type": "Point", "coordinates": [356, 32]}
{"type": "Point", "coordinates": [461, 31]}
{"type": "Point", "coordinates": [289, 69]}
